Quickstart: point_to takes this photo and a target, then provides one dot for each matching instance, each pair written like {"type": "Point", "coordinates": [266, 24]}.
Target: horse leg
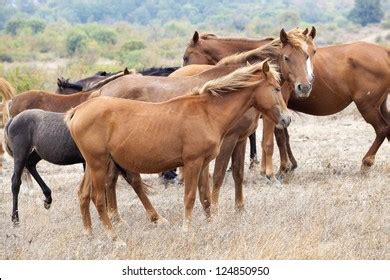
{"type": "Point", "coordinates": [238, 159]}
{"type": "Point", "coordinates": [45, 189]}
{"type": "Point", "coordinates": [253, 153]}
{"type": "Point", "coordinates": [268, 148]}
{"type": "Point", "coordinates": [98, 173]}
{"type": "Point", "coordinates": [382, 129]}
{"type": "Point", "coordinates": [111, 200]}
{"type": "Point", "coordinates": [192, 171]}
{"type": "Point", "coordinates": [16, 182]}
{"type": "Point", "coordinates": [134, 179]}
{"type": "Point", "coordinates": [84, 195]}
{"type": "Point", "coordinates": [204, 190]}
{"type": "Point", "coordinates": [291, 157]}
{"type": "Point", "coordinates": [284, 161]}
{"type": "Point", "coordinates": [220, 167]}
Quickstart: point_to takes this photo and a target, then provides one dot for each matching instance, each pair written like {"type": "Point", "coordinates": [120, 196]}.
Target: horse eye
{"type": "Point", "coordinates": [185, 58]}
{"type": "Point", "coordinates": [286, 58]}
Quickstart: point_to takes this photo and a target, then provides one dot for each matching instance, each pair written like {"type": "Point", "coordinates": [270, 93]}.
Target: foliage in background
{"type": "Point", "coordinates": [74, 38]}
{"type": "Point", "coordinates": [366, 11]}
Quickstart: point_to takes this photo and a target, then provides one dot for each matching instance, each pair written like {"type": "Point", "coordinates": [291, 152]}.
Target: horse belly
{"type": "Point", "coordinates": [147, 157]}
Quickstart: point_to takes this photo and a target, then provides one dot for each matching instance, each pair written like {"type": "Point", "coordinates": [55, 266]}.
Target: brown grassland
{"type": "Point", "coordinates": [325, 210]}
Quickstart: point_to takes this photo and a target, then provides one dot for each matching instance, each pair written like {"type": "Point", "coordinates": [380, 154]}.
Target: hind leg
{"type": "Point", "coordinates": [98, 172]}
{"type": "Point", "coordinates": [16, 182]}
{"type": "Point", "coordinates": [111, 200]}
{"type": "Point", "coordinates": [31, 167]}
{"type": "Point", "coordinates": [84, 195]}
{"type": "Point", "coordinates": [373, 116]}
{"type": "Point", "coordinates": [221, 163]}
{"type": "Point", "coordinates": [134, 179]}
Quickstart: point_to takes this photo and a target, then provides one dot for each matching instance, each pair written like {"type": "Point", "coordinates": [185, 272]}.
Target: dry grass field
{"type": "Point", "coordinates": [325, 210]}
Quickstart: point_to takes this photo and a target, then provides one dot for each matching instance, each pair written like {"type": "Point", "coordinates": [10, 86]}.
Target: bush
{"type": "Point", "coordinates": [14, 25]}
{"type": "Point", "coordinates": [76, 41]}
{"type": "Point", "coordinates": [366, 11]}
{"type": "Point", "coordinates": [24, 79]}
{"type": "Point", "coordinates": [132, 45]}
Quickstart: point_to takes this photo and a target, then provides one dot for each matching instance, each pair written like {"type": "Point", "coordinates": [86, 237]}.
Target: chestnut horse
{"type": "Point", "coordinates": [298, 46]}
{"type": "Point", "coordinates": [198, 124]}
{"type": "Point", "coordinates": [357, 72]}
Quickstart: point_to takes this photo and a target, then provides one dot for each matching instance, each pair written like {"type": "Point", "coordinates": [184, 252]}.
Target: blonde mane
{"type": "Point", "coordinates": [271, 50]}
{"type": "Point", "coordinates": [211, 36]}
{"type": "Point", "coordinates": [6, 89]}
{"type": "Point", "coordinates": [238, 79]}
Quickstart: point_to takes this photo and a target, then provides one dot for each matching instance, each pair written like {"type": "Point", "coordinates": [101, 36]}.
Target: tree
{"type": "Point", "coordinates": [366, 11]}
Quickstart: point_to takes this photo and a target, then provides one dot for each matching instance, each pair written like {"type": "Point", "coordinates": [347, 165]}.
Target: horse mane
{"type": "Point", "coordinates": [109, 79]}
{"type": "Point", "coordinates": [63, 83]}
{"type": "Point", "coordinates": [158, 71]}
{"type": "Point", "coordinates": [7, 90]}
{"type": "Point", "coordinates": [238, 79]}
{"type": "Point", "coordinates": [271, 50]}
{"type": "Point", "coordinates": [211, 36]}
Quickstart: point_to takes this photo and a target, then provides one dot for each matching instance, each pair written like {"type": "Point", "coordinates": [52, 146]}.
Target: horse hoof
{"type": "Point", "coordinates": [161, 221]}
{"type": "Point", "coordinates": [88, 232]}
{"type": "Point", "coordinates": [119, 243]}
{"type": "Point", "coordinates": [46, 205]}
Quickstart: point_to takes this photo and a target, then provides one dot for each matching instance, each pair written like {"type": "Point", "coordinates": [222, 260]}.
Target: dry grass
{"type": "Point", "coordinates": [325, 210]}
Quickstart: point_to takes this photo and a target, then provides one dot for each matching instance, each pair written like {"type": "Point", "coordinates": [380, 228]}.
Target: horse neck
{"type": "Point", "coordinates": [225, 111]}
{"type": "Point", "coordinates": [220, 48]}
{"type": "Point", "coordinates": [78, 98]}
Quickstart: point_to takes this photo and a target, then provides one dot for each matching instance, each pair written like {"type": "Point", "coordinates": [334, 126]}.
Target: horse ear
{"type": "Point", "coordinates": [305, 31]}
{"type": "Point", "coordinates": [195, 38]}
{"type": "Point", "coordinates": [283, 37]}
{"type": "Point", "coordinates": [59, 83]}
{"type": "Point", "coordinates": [313, 32]}
{"type": "Point", "coordinates": [265, 67]}
{"type": "Point", "coordinates": [126, 71]}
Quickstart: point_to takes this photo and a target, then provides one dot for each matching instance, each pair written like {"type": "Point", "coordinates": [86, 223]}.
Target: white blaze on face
{"type": "Point", "coordinates": [309, 68]}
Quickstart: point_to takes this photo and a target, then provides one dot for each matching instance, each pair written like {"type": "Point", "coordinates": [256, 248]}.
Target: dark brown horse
{"type": "Point", "coordinates": [86, 84]}
{"type": "Point", "coordinates": [357, 72]}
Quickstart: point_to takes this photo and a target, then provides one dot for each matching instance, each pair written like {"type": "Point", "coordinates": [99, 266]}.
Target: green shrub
{"type": "Point", "coordinates": [26, 78]}
{"type": "Point", "coordinates": [76, 41]}
{"type": "Point", "coordinates": [132, 45]}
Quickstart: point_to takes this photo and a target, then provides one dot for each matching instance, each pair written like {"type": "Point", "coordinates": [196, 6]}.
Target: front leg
{"type": "Point", "coordinates": [192, 171]}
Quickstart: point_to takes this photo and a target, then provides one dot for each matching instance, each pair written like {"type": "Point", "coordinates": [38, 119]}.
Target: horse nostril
{"type": "Point", "coordinates": [300, 87]}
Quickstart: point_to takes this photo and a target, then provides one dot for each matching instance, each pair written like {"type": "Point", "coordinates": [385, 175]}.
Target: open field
{"type": "Point", "coordinates": [325, 210]}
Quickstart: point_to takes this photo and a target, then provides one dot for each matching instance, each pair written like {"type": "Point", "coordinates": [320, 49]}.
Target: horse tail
{"type": "Point", "coordinates": [7, 91]}
{"type": "Point", "coordinates": [6, 113]}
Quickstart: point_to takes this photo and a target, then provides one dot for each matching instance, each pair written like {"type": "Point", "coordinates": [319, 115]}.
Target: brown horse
{"type": "Point", "coordinates": [357, 72]}
{"type": "Point", "coordinates": [209, 49]}
{"type": "Point", "coordinates": [111, 129]}
{"type": "Point", "coordinates": [298, 47]}
{"type": "Point", "coordinates": [37, 99]}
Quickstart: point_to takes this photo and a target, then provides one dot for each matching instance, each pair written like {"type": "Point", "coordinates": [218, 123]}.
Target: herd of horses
{"type": "Point", "coordinates": [212, 105]}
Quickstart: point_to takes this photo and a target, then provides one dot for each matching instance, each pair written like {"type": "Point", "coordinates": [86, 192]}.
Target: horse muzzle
{"type": "Point", "coordinates": [302, 90]}
{"type": "Point", "coordinates": [284, 122]}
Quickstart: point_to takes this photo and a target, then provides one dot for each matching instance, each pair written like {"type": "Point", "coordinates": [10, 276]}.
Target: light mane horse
{"type": "Point", "coordinates": [297, 46]}
{"type": "Point", "coordinates": [111, 129]}
{"type": "Point", "coordinates": [357, 72]}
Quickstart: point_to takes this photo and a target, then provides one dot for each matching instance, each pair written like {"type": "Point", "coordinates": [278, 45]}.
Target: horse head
{"type": "Point", "coordinates": [296, 60]}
